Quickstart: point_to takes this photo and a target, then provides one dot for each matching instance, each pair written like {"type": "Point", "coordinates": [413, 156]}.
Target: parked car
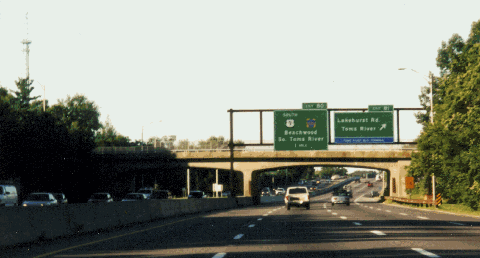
{"type": "Point", "coordinates": [297, 196]}
{"type": "Point", "coordinates": [40, 199]}
{"type": "Point", "coordinates": [8, 195]}
{"type": "Point", "coordinates": [60, 198]}
{"type": "Point", "coordinates": [196, 194]}
{"type": "Point", "coordinates": [100, 197]}
{"type": "Point", "coordinates": [130, 197]}
{"type": "Point", "coordinates": [161, 194]}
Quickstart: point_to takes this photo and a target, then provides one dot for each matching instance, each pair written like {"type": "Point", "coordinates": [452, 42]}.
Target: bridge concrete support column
{"type": "Point", "coordinates": [247, 182]}
{"type": "Point", "coordinates": [397, 179]}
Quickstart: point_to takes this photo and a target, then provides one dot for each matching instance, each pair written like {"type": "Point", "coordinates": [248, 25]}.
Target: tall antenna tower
{"type": "Point", "coordinates": [27, 42]}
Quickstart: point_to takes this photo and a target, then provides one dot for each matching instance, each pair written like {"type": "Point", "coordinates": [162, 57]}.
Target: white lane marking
{"type": "Point", "coordinates": [359, 197]}
{"type": "Point", "coordinates": [371, 208]}
{"type": "Point", "coordinates": [388, 211]}
{"type": "Point", "coordinates": [357, 224]}
{"type": "Point", "coordinates": [404, 214]}
{"type": "Point", "coordinates": [426, 253]}
{"type": "Point", "coordinates": [329, 210]}
{"type": "Point", "coordinates": [379, 233]}
{"type": "Point", "coordinates": [343, 217]}
{"type": "Point", "coordinates": [379, 209]}
{"type": "Point", "coordinates": [219, 255]}
{"type": "Point", "coordinates": [251, 226]}
{"type": "Point", "coordinates": [420, 217]}
{"type": "Point", "coordinates": [334, 213]}
{"type": "Point", "coordinates": [265, 215]}
{"type": "Point", "coordinates": [259, 219]}
{"type": "Point", "coordinates": [238, 236]}
{"type": "Point", "coordinates": [270, 212]}
{"type": "Point", "coordinates": [458, 224]}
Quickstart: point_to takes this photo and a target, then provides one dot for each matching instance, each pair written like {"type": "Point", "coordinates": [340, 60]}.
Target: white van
{"type": "Point", "coordinates": [8, 195]}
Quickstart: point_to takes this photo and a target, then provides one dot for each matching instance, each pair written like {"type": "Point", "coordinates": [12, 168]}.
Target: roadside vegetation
{"type": "Point", "coordinates": [449, 147]}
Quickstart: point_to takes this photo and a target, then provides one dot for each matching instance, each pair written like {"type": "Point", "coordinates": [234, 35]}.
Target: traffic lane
{"type": "Point", "coordinates": [197, 234]}
{"type": "Point", "coordinates": [436, 234]}
{"type": "Point", "coordinates": [306, 233]}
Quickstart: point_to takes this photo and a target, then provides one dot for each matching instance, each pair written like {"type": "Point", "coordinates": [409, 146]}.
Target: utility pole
{"type": "Point", "coordinates": [27, 42]}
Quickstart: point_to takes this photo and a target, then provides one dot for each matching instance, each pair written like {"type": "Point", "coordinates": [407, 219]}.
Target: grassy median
{"type": "Point", "coordinates": [453, 208]}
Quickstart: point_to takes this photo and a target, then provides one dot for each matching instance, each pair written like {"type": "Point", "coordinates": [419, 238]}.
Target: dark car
{"type": "Point", "coordinates": [60, 198]}
{"type": "Point", "coordinates": [161, 194]}
{"type": "Point", "coordinates": [100, 197]}
{"type": "Point", "coordinates": [197, 194]}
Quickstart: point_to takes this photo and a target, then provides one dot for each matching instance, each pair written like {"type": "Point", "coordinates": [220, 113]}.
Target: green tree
{"type": "Point", "coordinates": [22, 97]}
{"type": "Point", "coordinates": [80, 116]}
{"type": "Point", "coordinates": [450, 147]}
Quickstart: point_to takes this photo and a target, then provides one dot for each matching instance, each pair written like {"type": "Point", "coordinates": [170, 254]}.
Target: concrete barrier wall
{"type": "Point", "coordinates": [28, 224]}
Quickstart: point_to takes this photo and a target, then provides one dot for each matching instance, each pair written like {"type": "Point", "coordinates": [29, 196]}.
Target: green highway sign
{"type": "Point", "coordinates": [380, 108]}
{"type": "Point", "coordinates": [375, 127]}
{"type": "Point", "coordinates": [314, 105]}
{"type": "Point", "coordinates": [300, 130]}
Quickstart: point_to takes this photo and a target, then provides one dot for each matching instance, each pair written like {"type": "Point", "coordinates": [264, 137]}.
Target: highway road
{"type": "Point", "coordinates": [363, 229]}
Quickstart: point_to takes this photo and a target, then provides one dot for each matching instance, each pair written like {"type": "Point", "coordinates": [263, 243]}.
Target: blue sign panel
{"type": "Point", "coordinates": [363, 139]}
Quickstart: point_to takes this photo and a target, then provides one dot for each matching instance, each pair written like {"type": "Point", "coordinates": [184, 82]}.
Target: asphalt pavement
{"type": "Point", "coordinates": [363, 229]}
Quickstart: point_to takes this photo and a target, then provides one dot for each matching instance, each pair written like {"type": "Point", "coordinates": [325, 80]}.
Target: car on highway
{"type": "Point", "coordinates": [100, 197]}
{"type": "Point", "coordinates": [131, 197]}
{"type": "Point", "coordinates": [60, 198]}
{"type": "Point", "coordinates": [340, 196]}
{"type": "Point", "coordinates": [161, 194]}
{"type": "Point", "coordinates": [39, 199]}
{"type": "Point", "coordinates": [297, 196]}
{"type": "Point", "coordinates": [279, 191]}
{"type": "Point", "coordinates": [266, 191]}
{"type": "Point", "coordinates": [226, 194]}
{"type": "Point", "coordinates": [370, 184]}
{"type": "Point", "coordinates": [8, 195]}
{"type": "Point", "coordinates": [148, 191]}
{"type": "Point", "coordinates": [196, 194]}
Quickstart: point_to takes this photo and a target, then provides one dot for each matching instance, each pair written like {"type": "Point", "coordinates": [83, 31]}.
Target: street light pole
{"type": "Point", "coordinates": [431, 121]}
{"type": "Point", "coordinates": [430, 83]}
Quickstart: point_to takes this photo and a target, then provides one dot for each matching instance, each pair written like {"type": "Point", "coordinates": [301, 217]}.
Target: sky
{"type": "Point", "coordinates": [186, 63]}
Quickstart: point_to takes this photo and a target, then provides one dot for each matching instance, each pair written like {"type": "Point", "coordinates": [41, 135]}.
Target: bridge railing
{"type": "Point", "coordinates": [151, 149]}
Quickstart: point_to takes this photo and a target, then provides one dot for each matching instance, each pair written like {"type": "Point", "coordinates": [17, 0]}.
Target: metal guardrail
{"type": "Point", "coordinates": [429, 201]}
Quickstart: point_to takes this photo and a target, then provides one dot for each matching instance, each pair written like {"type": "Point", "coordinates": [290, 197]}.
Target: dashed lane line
{"type": "Point", "coordinates": [334, 213]}
{"type": "Point", "coordinates": [404, 214]}
{"type": "Point", "coordinates": [388, 211]}
{"type": "Point", "coordinates": [378, 233]}
{"type": "Point", "coordinates": [458, 224]}
{"type": "Point", "coordinates": [426, 253]}
{"type": "Point", "coordinates": [357, 223]}
{"type": "Point", "coordinates": [219, 255]}
{"type": "Point", "coordinates": [260, 219]}
{"type": "Point", "coordinates": [343, 217]}
{"type": "Point", "coordinates": [238, 236]}
{"type": "Point", "coordinates": [251, 226]}
{"type": "Point", "coordinates": [420, 217]}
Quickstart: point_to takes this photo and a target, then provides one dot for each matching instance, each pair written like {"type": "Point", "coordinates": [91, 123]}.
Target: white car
{"type": "Point", "coordinates": [339, 197]}
{"type": "Point", "coordinates": [297, 196]}
{"type": "Point", "coordinates": [279, 191]}
{"type": "Point", "coordinates": [40, 199]}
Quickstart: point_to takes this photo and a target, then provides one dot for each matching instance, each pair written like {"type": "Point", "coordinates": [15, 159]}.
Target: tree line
{"type": "Point", "coordinates": [51, 149]}
{"type": "Point", "coordinates": [449, 148]}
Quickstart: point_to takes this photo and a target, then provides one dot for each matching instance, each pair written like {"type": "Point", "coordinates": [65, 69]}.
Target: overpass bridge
{"type": "Point", "coordinates": [252, 163]}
